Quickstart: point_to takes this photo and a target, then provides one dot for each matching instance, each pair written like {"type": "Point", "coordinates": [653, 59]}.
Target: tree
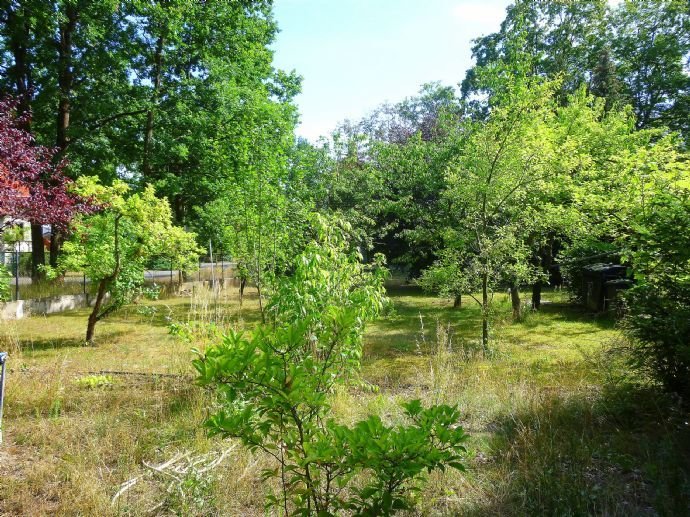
{"type": "Point", "coordinates": [145, 91]}
{"type": "Point", "coordinates": [66, 61]}
{"type": "Point", "coordinates": [651, 44]}
{"type": "Point", "coordinates": [557, 38]}
{"type": "Point", "coordinates": [32, 187]}
{"type": "Point", "coordinates": [258, 214]}
{"type": "Point", "coordinates": [276, 382]}
{"type": "Point", "coordinates": [495, 189]}
{"type": "Point", "coordinates": [605, 82]}
{"type": "Point", "coordinates": [388, 173]}
{"type": "Point", "coordinates": [210, 95]}
{"type": "Point", "coordinates": [657, 317]}
{"type": "Point", "coordinates": [113, 245]}
{"type": "Point", "coordinates": [636, 52]}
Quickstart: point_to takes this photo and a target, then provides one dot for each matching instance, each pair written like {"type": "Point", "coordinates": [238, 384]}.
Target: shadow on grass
{"type": "Point", "coordinates": [552, 314]}
{"type": "Point", "coordinates": [623, 451]}
{"type": "Point", "coordinates": [48, 343]}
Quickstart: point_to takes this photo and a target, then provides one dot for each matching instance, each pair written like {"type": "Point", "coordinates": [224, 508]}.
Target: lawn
{"type": "Point", "coordinates": [557, 425]}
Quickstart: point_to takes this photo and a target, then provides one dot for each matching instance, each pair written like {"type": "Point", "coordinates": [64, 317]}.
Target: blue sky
{"type": "Point", "coordinates": [357, 54]}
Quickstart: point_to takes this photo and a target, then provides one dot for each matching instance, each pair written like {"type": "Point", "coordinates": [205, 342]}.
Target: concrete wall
{"type": "Point", "coordinates": [12, 310]}
{"type": "Point", "coordinates": [23, 308]}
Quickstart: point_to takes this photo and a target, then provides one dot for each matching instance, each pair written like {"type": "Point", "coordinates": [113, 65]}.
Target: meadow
{"type": "Point", "coordinates": [557, 425]}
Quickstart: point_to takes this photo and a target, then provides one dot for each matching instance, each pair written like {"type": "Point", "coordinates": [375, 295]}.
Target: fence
{"type": "Point", "coordinates": [3, 360]}
{"type": "Point", "coordinates": [160, 270]}
{"type": "Point", "coordinates": [19, 264]}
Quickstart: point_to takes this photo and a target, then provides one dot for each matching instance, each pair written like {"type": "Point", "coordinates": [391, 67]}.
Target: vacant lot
{"type": "Point", "coordinates": [557, 426]}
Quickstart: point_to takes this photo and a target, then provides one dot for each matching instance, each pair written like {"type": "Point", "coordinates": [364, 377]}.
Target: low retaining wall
{"type": "Point", "coordinates": [42, 306]}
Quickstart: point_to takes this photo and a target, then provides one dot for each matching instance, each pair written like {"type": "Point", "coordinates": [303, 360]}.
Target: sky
{"type": "Point", "coordinates": [354, 55]}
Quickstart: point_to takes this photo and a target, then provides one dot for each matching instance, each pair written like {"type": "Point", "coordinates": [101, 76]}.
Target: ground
{"type": "Point", "coordinates": [557, 425]}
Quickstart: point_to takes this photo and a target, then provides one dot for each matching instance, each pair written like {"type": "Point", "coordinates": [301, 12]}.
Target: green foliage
{"type": "Point", "coordinates": [5, 279]}
{"type": "Point", "coordinates": [13, 234]}
{"type": "Point", "coordinates": [496, 186]}
{"type": "Point", "coordinates": [394, 457]}
{"type": "Point", "coordinates": [113, 246]}
{"type": "Point", "coordinates": [387, 172]}
{"type": "Point", "coordinates": [274, 387]}
{"type": "Point", "coordinates": [633, 53]}
{"type": "Point", "coordinates": [658, 306]}
{"type": "Point", "coordinates": [94, 381]}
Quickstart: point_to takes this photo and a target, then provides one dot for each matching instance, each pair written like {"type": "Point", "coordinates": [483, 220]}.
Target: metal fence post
{"type": "Point", "coordinates": [16, 272]}
{"type": "Point", "coordinates": [3, 359]}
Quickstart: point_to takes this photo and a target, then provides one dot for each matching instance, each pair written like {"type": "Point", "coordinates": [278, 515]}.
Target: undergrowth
{"type": "Point", "coordinates": [557, 425]}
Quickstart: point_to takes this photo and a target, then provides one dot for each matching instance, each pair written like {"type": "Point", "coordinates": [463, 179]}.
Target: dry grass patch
{"type": "Point", "coordinates": [555, 426]}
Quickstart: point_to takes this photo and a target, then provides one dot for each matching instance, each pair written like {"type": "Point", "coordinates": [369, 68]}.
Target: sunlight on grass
{"type": "Point", "coordinates": [548, 433]}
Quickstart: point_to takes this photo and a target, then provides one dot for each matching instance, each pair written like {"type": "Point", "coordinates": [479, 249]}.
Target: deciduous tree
{"type": "Point", "coordinates": [113, 245]}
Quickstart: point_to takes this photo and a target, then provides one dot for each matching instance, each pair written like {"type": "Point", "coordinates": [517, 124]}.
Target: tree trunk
{"type": "Point", "coordinates": [20, 74]}
{"type": "Point", "coordinates": [261, 304]}
{"type": "Point", "coordinates": [485, 312]}
{"type": "Point", "coordinates": [19, 36]}
{"type": "Point", "coordinates": [457, 302]}
{"type": "Point", "coordinates": [536, 296]}
{"type": "Point", "coordinates": [38, 255]}
{"type": "Point", "coordinates": [93, 317]}
{"type": "Point", "coordinates": [56, 240]}
{"type": "Point", "coordinates": [65, 78]}
{"type": "Point", "coordinates": [148, 133]}
{"type": "Point", "coordinates": [243, 283]}
{"type": "Point", "coordinates": [96, 314]}
{"type": "Point", "coordinates": [65, 82]}
{"type": "Point", "coordinates": [515, 301]}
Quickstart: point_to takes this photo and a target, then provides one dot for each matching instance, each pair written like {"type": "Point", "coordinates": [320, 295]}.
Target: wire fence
{"type": "Point", "coordinates": [160, 271]}
{"type": "Point", "coordinates": [23, 287]}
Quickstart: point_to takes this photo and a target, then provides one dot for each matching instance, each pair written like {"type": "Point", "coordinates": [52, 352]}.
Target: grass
{"type": "Point", "coordinates": [557, 426]}
{"type": "Point", "coordinates": [75, 283]}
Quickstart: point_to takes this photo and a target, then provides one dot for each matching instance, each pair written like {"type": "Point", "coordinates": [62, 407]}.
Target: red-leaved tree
{"type": "Point", "coordinates": [33, 187]}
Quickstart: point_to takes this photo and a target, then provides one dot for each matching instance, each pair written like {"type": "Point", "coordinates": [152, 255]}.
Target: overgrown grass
{"type": "Point", "coordinates": [72, 284]}
{"type": "Point", "coordinates": [557, 427]}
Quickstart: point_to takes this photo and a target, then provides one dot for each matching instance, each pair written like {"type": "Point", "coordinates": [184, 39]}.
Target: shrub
{"type": "Point", "coordinates": [274, 388]}
{"type": "Point", "coordinates": [94, 381]}
{"type": "Point", "coordinates": [658, 306]}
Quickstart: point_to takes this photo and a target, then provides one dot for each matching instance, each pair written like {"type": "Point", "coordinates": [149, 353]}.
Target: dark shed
{"type": "Point", "coordinates": [602, 283]}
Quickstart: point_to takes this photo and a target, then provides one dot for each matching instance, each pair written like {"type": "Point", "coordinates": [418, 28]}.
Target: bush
{"type": "Point", "coordinates": [274, 387]}
{"type": "Point", "coordinates": [658, 307]}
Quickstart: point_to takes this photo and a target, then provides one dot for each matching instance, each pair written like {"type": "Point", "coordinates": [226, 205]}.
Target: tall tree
{"type": "Point", "coordinates": [205, 78]}
{"type": "Point", "coordinates": [651, 43]}
{"type": "Point", "coordinates": [495, 189]}
{"type": "Point", "coordinates": [32, 187]}
{"type": "Point", "coordinates": [64, 60]}
{"type": "Point", "coordinates": [144, 91]}
{"type": "Point", "coordinates": [562, 37]}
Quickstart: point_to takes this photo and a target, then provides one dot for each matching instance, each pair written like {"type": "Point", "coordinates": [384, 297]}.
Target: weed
{"type": "Point", "coordinates": [557, 423]}
{"type": "Point", "coordinates": [94, 381]}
